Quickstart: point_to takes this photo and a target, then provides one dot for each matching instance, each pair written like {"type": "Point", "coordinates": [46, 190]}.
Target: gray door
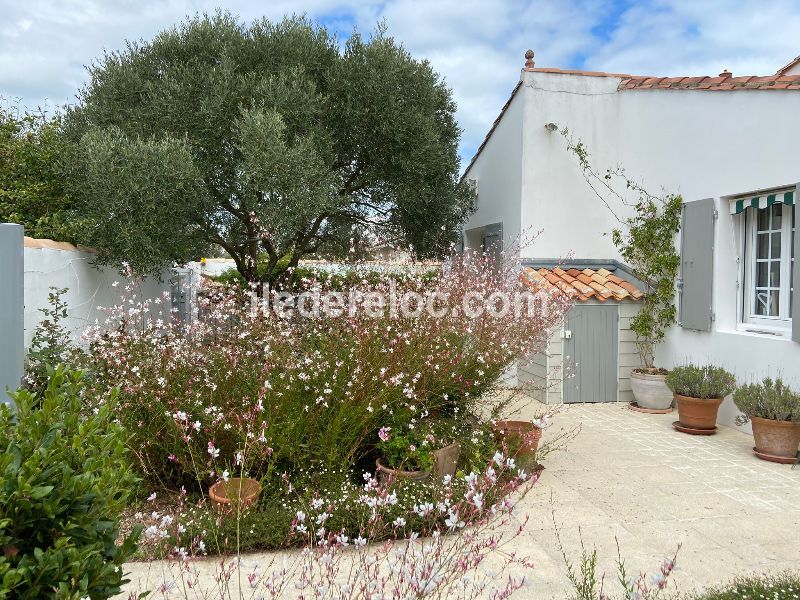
{"type": "Point", "coordinates": [591, 352]}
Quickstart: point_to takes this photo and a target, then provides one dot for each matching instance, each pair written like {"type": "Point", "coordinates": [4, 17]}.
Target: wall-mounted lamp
{"type": "Point", "coordinates": [551, 127]}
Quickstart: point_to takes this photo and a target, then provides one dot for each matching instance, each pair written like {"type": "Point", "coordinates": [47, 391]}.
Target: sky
{"type": "Point", "coordinates": [477, 46]}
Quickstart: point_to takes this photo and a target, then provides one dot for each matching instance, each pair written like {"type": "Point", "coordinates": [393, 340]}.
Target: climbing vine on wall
{"type": "Point", "coordinates": [645, 238]}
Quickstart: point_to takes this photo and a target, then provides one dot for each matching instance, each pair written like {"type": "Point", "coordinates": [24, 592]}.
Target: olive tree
{"type": "Point", "coordinates": [270, 140]}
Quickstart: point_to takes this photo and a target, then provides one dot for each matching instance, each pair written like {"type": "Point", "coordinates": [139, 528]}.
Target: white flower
{"type": "Point", "coordinates": [317, 503]}
{"type": "Point", "coordinates": [446, 479]}
{"type": "Point", "coordinates": [360, 542]}
{"type": "Point", "coordinates": [477, 500]}
{"type": "Point", "coordinates": [399, 522]}
{"type": "Point", "coordinates": [301, 516]}
{"type": "Point", "coordinates": [225, 475]}
{"type": "Point", "coordinates": [498, 458]}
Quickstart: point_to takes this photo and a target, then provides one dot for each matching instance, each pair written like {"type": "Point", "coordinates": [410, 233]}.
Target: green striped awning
{"type": "Point", "coordinates": [740, 204]}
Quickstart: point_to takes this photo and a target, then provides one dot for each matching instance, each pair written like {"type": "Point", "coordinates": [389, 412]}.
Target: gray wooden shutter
{"type": "Point", "coordinates": [796, 269]}
{"type": "Point", "coordinates": [697, 265]}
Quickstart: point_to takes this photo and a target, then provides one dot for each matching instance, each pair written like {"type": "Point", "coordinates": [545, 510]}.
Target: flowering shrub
{"type": "Point", "coordinates": [338, 562]}
{"type": "Point", "coordinates": [245, 392]}
{"type": "Point", "coordinates": [778, 586]}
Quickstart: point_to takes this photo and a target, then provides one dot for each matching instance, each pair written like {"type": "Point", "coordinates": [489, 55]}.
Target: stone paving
{"type": "Point", "coordinates": [630, 476]}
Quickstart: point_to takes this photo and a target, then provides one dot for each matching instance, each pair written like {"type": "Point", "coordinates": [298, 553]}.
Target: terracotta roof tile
{"type": "Point", "coordinates": [722, 82]}
{"type": "Point", "coordinates": [745, 82]}
{"type": "Point", "coordinates": [583, 285]}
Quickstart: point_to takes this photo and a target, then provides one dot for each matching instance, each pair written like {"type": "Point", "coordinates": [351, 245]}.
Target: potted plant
{"type": "Point", "coordinates": [521, 438]}
{"type": "Point", "coordinates": [774, 411]}
{"type": "Point", "coordinates": [413, 454]}
{"type": "Point", "coordinates": [648, 245]}
{"type": "Point", "coordinates": [699, 390]}
{"type": "Point", "coordinates": [241, 491]}
{"type": "Point", "coordinates": [646, 242]}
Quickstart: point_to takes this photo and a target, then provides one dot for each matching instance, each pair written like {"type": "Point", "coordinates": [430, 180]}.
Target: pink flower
{"type": "Point", "coordinates": [383, 433]}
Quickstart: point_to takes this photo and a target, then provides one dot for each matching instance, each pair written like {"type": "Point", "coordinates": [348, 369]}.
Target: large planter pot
{"type": "Point", "coordinates": [651, 391]}
{"type": "Point", "coordinates": [386, 474]}
{"type": "Point", "coordinates": [698, 413]}
{"type": "Point", "coordinates": [446, 460]}
{"type": "Point", "coordinates": [522, 435]}
{"type": "Point", "coordinates": [237, 491]}
{"type": "Point", "coordinates": [776, 439]}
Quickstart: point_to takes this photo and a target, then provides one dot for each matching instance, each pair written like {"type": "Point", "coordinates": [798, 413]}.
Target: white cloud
{"type": "Point", "coordinates": [477, 45]}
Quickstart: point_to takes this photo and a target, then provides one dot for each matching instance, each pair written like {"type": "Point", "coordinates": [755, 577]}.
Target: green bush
{"type": "Point", "coordinates": [783, 586]}
{"type": "Point", "coordinates": [50, 344]}
{"type": "Point", "coordinates": [768, 400]}
{"type": "Point", "coordinates": [64, 480]}
{"type": "Point", "coordinates": [705, 381]}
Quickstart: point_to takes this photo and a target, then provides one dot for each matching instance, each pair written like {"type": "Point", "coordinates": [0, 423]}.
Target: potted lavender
{"type": "Point", "coordinates": [774, 411]}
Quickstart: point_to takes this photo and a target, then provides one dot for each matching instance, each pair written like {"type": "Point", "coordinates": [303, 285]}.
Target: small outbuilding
{"type": "Point", "coordinates": [590, 358]}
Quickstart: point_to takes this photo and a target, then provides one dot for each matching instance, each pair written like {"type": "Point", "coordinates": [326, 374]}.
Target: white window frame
{"type": "Point", "coordinates": [781, 324]}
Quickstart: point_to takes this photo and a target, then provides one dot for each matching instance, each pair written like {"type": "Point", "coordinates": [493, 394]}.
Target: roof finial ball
{"type": "Point", "coordinates": [529, 59]}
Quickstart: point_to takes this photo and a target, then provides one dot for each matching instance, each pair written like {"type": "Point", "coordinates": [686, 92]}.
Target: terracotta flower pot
{"type": "Point", "coordinates": [776, 438]}
{"type": "Point", "coordinates": [385, 473]}
{"type": "Point", "coordinates": [697, 413]}
{"type": "Point", "coordinates": [446, 460]}
{"type": "Point", "coordinates": [237, 490]}
{"type": "Point", "coordinates": [518, 433]}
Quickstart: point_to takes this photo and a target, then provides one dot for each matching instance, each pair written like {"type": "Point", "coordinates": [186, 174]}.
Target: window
{"type": "Point", "coordinates": [769, 258]}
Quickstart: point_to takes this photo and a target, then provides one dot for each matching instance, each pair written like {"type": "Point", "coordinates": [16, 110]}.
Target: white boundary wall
{"type": "Point", "coordinates": [61, 265]}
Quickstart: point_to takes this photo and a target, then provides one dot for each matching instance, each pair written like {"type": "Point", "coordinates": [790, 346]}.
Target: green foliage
{"type": "Point", "coordinates": [64, 480]}
{"type": "Point", "coordinates": [266, 139]}
{"type": "Point", "coordinates": [408, 449]}
{"type": "Point", "coordinates": [646, 242]}
{"type": "Point", "coordinates": [130, 194]}
{"type": "Point", "coordinates": [304, 277]}
{"type": "Point", "coordinates": [50, 344]}
{"type": "Point", "coordinates": [705, 382]}
{"type": "Point", "coordinates": [767, 400]}
{"type": "Point", "coordinates": [31, 190]}
{"type": "Point", "coordinates": [781, 586]}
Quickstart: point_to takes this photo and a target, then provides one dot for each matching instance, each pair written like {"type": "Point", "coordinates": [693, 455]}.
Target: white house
{"type": "Point", "coordinates": [727, 144]}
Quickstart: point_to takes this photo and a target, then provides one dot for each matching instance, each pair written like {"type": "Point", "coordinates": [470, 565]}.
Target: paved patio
{"type": "Point", "coordinates": [630, 477]}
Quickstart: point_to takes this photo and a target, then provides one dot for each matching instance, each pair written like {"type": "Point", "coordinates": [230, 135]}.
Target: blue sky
{"type": "Point", "coordinates": [477, 46]}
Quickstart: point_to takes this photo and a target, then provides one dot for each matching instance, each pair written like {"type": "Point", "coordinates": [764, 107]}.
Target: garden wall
{"type": "Point", "coordinates": [58, 264]}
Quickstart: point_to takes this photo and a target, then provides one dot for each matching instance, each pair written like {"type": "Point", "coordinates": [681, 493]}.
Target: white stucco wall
{"type": "Point", "coordinates": [498, 173]}
{"type": "Point", "coordinates": [701, 144]}
{"type": "Point", "coordinates": [89, 288]}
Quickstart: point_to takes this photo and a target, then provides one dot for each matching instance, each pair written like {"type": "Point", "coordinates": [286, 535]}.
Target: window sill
{"type": "Point", "coordinates": [777, 333]}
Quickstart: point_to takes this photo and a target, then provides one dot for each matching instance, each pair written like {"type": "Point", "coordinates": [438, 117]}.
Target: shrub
{"type": "Point", "coordinates": [779, 586]}
{"type": "Point", "coordinates": [703, 382]}
{"type": "Point", "coordinates": [287, 394]}
{"type": "Point", "coordinates": [64, 480]}
{"type": "Point", "coordinates": [51, 343]}
{"type": "Point", "coordinates": [767, 400]}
